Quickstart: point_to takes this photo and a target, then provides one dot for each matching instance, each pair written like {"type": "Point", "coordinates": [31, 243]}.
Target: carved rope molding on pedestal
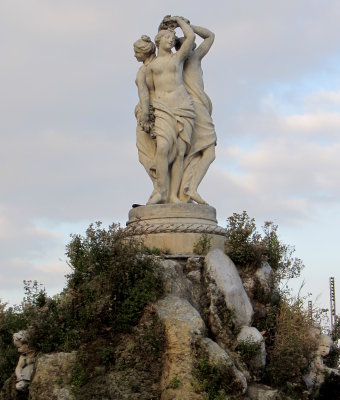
{"type": "Point", "coordinates": [144, 228]}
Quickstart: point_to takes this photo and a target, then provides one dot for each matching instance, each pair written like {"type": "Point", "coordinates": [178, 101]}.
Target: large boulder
{"type": "Point", "coordinates": [265, 277]}
{"type": "Point", "coordinates": [52, 377]}
{"type": "Point", "coordinates": [217, 356]}
{"type": "Point", "coordinates": [183, 325]}
{"type": "Point", "coordinates": [251, 341]}
{"type": "Point", "coordinates": [223, 279]}
{"type": "Point", "coordinates": [262, 392]}
{"type": "Point", "coordinates": [174, 279]}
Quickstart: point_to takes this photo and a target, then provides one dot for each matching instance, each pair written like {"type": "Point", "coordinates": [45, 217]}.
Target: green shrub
{"type": "Point", "coordinates": [279, 255]}
{"type": "Point", "coordinates": [243, 242]}
{"type": "Point", "coordinates": [294, 345]}
{"type": "Point", "coordinates": [203, 244]}
{"type": "Point", "coordinates": [79, 375]}
{"type": "Point", "coordinates": [11, 321]}
{"type": "Point", "coordinates": [248, 350]}
{"type": "Point", "coordinates": [107, 355]}
{"type": "Point", "coordinates": [211, 380]}
{"type": "Point", "coordinates": [247, 247]}
{"type": "Point", "coordinates": [215, 380]}
{"type": "Point", "coordinates": [110, 284]}
{"type": "Point", "coordinates": [174, 383]}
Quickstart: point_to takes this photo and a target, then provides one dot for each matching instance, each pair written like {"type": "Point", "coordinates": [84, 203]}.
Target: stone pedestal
{"type": "Point", "coordinates": [175, 228]}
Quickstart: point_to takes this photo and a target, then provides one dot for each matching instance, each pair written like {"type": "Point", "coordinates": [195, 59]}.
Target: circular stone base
{"type": "Point", "coordinates": [176, 228]}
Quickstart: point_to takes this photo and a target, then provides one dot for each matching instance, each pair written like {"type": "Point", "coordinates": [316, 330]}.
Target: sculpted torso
{"type": "Point", "coordinates": [194, 69]}
{"type": "Point", "coordinates": [165, 74]}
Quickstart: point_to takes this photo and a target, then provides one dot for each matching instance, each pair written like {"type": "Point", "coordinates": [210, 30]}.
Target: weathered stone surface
{"type": "Point", "coordinates": [171, 213]}
{"type": "Point", "coordinates": [262, 392]}
{"type": "Point", "coordinates": [224, 278]}
{"type": "Point", "coordinates": [318, 371]}
{"type": "Point", "coordinates": [9, 392]}
{"type": "Point", "coordinates": [264, 276]}
{"type": "Point", "coordinates": [194, 276]}
{"type": "Point", "coordinates": [52, 377]}
{"type": "Point", "coordinates": [183, 325]}
{"type": "Point", "coordinates": [25, 366]}
{"type": "Point", "coordinates": [252, 335]}
{"type": "Point", "coordinates": [175, 228]}
{"type": "Point", "coordinates": [193, 264]}
{"type": "Point", "coordinates": [217, 356]}
{"type": "Point", "coordinates": [174, 280]}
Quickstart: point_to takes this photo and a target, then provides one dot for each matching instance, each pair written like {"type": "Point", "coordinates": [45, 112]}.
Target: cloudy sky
{"type": "Point", "coordinates": [68, 155]}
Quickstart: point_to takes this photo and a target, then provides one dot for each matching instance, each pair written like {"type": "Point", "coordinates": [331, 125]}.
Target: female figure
{"type": "Point", "coordinates": [203, 141]}
{"type": "Point", "coordinates": [174, 111]}
{"type": "Point", "coordinates": [145, 52]}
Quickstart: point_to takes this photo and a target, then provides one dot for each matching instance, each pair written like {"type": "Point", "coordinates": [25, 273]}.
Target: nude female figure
{"type": "Point", "coordinates": [173, 110]}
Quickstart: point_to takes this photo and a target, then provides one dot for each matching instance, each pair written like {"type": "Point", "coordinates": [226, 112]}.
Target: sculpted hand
{"type": "Point", "coordinates": [144, 122]}
{"type": "Point", "coordinates": [176, 18]}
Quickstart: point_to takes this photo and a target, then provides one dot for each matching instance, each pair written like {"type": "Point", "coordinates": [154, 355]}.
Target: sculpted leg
{"type": "Point", "coordinates": [160, 195]}
{"type": "Point", "coordinates": [208, 156]}
{"type": "Point", "coordinates": [177, 171]}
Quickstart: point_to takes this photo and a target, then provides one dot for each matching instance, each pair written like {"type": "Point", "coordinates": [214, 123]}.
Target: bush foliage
{"type": "Point", "coordinates": [247, 247]}
{"type": "Point", "coordinates": [111, 282]}
{"type": "Point", "coordinates": [11, 321]}
{"type": "Point", "coordinates": [294, 346]}
{"type": "Point", "coordinates": [286, 326]}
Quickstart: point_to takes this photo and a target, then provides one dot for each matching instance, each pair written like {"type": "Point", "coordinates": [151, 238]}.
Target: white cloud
{"type": "Point", "coordinates": [323, 100]}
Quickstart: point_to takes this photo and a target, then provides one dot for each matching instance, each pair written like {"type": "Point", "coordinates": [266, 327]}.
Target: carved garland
{"type": "Point", "coordinates": [144, 229]}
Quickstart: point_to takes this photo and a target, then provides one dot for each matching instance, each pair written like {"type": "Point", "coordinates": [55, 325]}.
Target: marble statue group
{"type": "Point", "coordinates": [175, 133]}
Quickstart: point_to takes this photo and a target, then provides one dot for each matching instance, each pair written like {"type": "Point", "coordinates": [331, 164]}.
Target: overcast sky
{"type": "Point", "coordinates": [68, 155]}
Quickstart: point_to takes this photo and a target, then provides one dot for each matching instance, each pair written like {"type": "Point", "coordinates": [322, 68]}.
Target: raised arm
{"type": "Point", "coordinates": [189, 38]}
{"type": "Point", "coordinates": [208, 37]}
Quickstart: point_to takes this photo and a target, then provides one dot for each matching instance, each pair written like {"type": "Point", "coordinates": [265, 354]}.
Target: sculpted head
{"type": "Point", "coordinates": [165, 38]}
{"type": "Point", "coordinates": [20, 340]}
{"type": "Point", "coordinates": [179, 42]}
{"type": "Point", "coordinates": [325, 344]}
{"type": "Point", "coordinates": [144, 48]}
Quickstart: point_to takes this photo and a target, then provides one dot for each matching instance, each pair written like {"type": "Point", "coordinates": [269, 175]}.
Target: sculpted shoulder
{"type": "Point", "coordinates": [140, 74]}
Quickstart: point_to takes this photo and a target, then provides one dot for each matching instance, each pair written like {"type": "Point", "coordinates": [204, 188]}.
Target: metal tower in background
{"type": "Point", "coordinates": [332, 302]}
{"type": "Point", "coordinates": [310, 310]}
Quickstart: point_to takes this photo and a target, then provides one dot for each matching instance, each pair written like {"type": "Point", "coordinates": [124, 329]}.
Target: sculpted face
{"type": "Point", "coordinates": [167, 41]}
{"type": "Point", "coordinates": [324, 350]}
{"type": "Point", "coordinates": [324, 346]}
{"type": "Point", "coordinates": [140, 55]}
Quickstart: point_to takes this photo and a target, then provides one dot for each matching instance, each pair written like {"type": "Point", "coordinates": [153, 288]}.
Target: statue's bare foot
{"type": "Point", "coordinates": [196, 197]}
{"type": "Point", "coordinates": [155, 198]}
{"type": "Point", "coordinates": [175, 199]}
{"type": "Point", "coordinates": [154, 192]}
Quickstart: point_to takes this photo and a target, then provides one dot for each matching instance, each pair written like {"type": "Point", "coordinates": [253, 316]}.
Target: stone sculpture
{"type": "Point", "coordinates": [24, 369]}
{"type": "Point", "coordinates": [145, 51]}
{"type": "Point", "coordinates": [203, 140]}
{"type": "Point", "coordinates": [318, 370]}
{"type": "Point", "coordinates": [175, 132]}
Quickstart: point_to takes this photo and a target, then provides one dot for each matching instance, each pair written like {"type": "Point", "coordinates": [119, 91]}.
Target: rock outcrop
{"type": "Point", "coordinates": [53, 376]}
{"type": "Point", "coordinates": [252, 340]}
{"type": "Point", "coordinates": [223, 279]}
{"type": "Point", "coordinates": [201, 325]}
